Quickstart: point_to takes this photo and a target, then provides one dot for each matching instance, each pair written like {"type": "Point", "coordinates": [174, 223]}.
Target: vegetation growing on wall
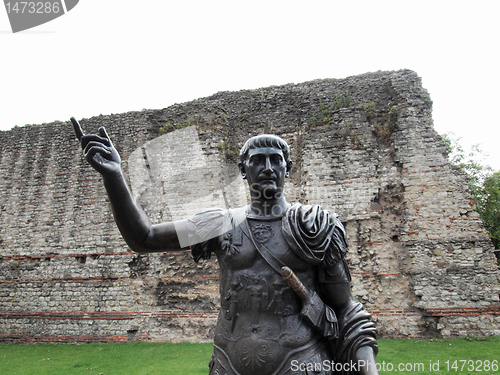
{"type": "Point", "coordinates": [384, 122]}
{"type": "Point", "coordinates": [208, 123]}
{"type": "Point", "coordinates": [326, 112]}
{"type": "Point", "coordinates": [170, 127]}
{"type": "Point", "coordinates": [350, 134]}
{"type": "Point", "coordinates": [483, 185]}
{"type": "Point", "coordinates": [229, 149]}
{"type": "Point", "coordinates": [488, 205]}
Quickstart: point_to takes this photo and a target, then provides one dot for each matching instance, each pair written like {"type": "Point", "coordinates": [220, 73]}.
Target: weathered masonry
{"type": "Point", "coordinates": [363, 147]}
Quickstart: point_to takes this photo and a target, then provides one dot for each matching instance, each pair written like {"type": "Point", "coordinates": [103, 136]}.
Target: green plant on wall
{"type": "Point", "coordinates": [325, 115]}
{"type": "Point", "coordinates": [371, 108]}
{"type": "Point", "coordinates": [350, 134]}
{"type": "Point", "coordinates": [326, 112]}
{"type": "Point", "coordinates": [170, 127]}
{"type": "Point", "coordinates": [488, 205]}
{"type": "Point", "coordinates": [346, 99]}
{"type": "Point", "coordinates": [384, 124]}
{"type": "Point", "coordinates": [243, 115]}
{"type": "Point", "coordinates": [225, 146]}
{"type": "Point", "coordinates": [342, 101]}
{"type": "Point", "coordinates": [392, 116]}
{"type": "Point", "coordinates": [483, 184]}
{"type": "Point", "coordinates": [208, 123]}
{"type": "Point", "coordinates": [213, 123]}
{"type": "Point", "coordinates": [371, 111]}
{"type": "Point", "coordinates": [311, 119]}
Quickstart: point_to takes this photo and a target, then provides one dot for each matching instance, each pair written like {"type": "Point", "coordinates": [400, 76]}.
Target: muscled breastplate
{"type": "Point", "coordinates": [259, 324]}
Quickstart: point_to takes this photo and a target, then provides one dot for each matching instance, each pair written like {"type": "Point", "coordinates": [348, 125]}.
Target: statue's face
{"type": "Point", "coordinates": [265, 169]}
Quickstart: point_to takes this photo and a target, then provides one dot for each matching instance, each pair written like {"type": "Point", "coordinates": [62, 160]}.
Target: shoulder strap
{"type": "Point", "coordinates": [275, 263]}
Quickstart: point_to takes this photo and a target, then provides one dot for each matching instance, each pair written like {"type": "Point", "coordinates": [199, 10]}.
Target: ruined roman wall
{"type": "Point", "coordinates": [362, 146]}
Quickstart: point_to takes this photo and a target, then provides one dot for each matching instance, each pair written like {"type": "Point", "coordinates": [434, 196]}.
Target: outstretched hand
{"type": "Point", "coordinates": [98, 149]}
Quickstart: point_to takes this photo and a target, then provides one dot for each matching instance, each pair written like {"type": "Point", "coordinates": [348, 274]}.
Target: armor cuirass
{"type": "Point", "coordinates": [259, 325]}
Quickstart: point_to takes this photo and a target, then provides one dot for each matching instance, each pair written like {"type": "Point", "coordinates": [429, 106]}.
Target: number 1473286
{"type": "Point", "coordinates": [470, 365]}
{"type": "Point", "coordinates": [33, 7]}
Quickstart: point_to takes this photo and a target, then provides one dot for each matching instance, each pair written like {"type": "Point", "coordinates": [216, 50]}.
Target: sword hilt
{"type": "Point", "coordinates": [294, 282]}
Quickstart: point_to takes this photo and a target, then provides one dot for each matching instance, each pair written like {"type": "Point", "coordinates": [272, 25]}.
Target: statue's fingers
{"type": "Point", "coordinates": [95, 154]}
{"type": "Point", "coordinates": [103, 133]}
{"type": "Point", "coordinates": [78, 129]}
{"type": "Point", "coordinates": [93, 147]}
{"type": "Point", "coordinates": [87, 138]}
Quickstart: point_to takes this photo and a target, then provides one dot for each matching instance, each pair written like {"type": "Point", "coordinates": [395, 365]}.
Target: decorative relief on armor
{"type": "Point", "coordinates": [257, 355]}
{"type": "Point", "coordinates": [228, 246]}
{"type": "Point", "coordinates": [262, 232]}
{"type": "Point", "coordinates": [251, 293]}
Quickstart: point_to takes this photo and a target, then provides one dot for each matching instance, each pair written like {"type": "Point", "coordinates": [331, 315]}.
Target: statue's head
{"type": "Point", "coordinates": [265, 140]}
{"type": "Point", "coordinates": [265, 162]}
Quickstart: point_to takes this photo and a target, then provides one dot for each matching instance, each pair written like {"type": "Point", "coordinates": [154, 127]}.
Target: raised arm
{"type": "Point", "coordinates": [134, 225]}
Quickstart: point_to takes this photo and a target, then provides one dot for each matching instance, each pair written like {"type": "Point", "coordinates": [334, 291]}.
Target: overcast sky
{"type": "Point", "coordinates": [112, 56]}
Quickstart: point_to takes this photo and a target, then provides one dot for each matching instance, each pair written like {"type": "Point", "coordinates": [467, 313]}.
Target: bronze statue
{"type": "Point", "coordinates": [286, 304]}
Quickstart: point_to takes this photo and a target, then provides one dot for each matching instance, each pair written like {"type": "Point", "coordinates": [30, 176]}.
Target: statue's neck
{"type": "Point", "coordinates": [268, 208]}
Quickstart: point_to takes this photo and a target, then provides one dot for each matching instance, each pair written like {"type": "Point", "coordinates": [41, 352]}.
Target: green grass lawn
{"type": "Point", "coordinates": [433, 356]}
{"type": "Point", "coordinates": [417, 356]}
{"type": "Point", "coordinates": [114, 358]}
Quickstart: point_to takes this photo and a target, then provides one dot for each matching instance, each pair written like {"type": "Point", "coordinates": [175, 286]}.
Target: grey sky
{"type": "Point", "coordinates": [120, 55]}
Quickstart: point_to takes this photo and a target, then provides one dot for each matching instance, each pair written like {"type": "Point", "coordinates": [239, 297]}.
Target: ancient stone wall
{"type": "Point", "coordinates": [363, 147]}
